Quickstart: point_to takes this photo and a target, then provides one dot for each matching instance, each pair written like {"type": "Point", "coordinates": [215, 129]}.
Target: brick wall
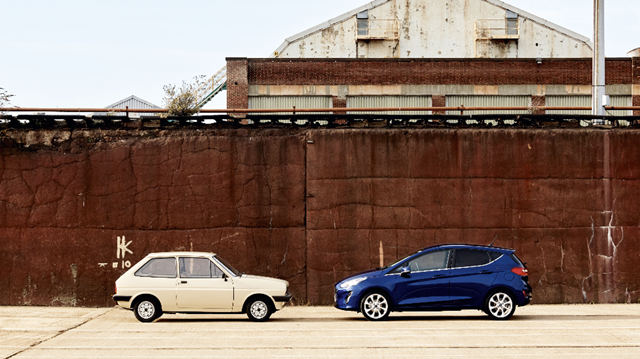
{"type": "Point", "coordinates": [538, 101]}
{"type": "Point", "coordinates": [425, 72]}
{"type": "Point", "coordinates": [339, 103]}
{"type": "Point", "coordinates": [237, 84]}
{"type": "Point", "coordinates": [439, 101]}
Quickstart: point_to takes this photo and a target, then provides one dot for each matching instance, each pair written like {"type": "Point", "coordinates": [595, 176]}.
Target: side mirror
{"type": "Point", "coordinates": [224, 276]}
{"type": "Point", "coordinates": [405, 272]}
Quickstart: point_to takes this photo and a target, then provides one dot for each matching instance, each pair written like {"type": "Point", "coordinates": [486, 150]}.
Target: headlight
{"type": "Point", "coordinates": [352, 283]}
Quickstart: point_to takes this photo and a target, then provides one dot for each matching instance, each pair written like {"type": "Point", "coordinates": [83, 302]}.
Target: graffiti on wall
{"type": "Point", "coordinates": [122, 248]}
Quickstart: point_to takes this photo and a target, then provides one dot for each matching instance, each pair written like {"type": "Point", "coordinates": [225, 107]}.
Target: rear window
{"type": "Point", "coordinates": [471, 258]}
{"type": "Point", "coordinates": [159, 268]}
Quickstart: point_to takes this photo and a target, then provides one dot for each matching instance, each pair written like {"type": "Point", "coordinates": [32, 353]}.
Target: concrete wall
{"type": "Point", "coordinates": [437, 29]}
{"type": "Point", "coordinates": [77, 208]}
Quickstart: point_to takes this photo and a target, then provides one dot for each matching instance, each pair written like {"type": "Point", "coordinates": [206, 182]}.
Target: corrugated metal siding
{"type": "Point", "coordinates": [586, 101]}
{"type": "Point", "coordinates": [282, 102]}
{"type": "Point", "coordinates": [390, 101]}
{"type": "Point", "coordinates": [488, 101]}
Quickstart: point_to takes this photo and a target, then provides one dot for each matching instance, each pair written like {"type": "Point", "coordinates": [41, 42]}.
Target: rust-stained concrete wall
{"type": "Point", "coordinates": [62, 208]}
{"type": "Point", "coordinates": [273, 204]}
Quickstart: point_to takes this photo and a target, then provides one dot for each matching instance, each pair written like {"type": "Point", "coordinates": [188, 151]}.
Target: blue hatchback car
{"type": "Point", "coordinates": [439, 278]}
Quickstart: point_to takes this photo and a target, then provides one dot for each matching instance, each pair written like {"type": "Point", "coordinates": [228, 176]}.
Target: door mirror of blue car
{"type": "Point", "coordinates": [405, 271]}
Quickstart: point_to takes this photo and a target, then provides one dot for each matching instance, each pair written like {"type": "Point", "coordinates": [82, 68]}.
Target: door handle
{"type": "Point", "coordinates": [486, 272]}
{"type": "Point", "coordinates": [183, 282]}
{"type": "Point", "coordinates": [439, 276]}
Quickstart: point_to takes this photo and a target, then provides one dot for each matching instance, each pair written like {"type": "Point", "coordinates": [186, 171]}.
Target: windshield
{"type": "Point", "coordinates": [227, 266]}
{"type": "Point", "coordinates": [401, 260]}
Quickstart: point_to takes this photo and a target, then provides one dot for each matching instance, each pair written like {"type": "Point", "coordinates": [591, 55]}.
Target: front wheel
{"type": "Point", "coordinates": [258, 310]}
{"type": "Point", "coordinates": [500, 306]}
{"type": "Point", "coordinates": [147, 310]}
{"type": "Point", "coordinates": [375, 306]}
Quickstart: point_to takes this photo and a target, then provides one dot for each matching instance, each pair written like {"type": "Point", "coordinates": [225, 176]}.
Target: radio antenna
{"type": "Point", "coordinates": [494, 240]}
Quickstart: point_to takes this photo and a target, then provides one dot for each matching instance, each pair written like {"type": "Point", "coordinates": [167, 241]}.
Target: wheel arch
{"type": "Point", "coordinates": [500, 288]}
{"type": "Point", "coordinates": [270, 302]}
{"type": "Point", "coordinates": [378, 289]}
{"type": "Point", "coordinates": [142, 296]}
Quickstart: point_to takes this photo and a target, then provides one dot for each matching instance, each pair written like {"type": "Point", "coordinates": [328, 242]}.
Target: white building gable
{"type": "Point", "coordinates": [436, 29]}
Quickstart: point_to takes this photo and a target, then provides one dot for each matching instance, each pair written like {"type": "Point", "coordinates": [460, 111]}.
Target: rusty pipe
{"type": "Point", "coordinates": [325, 110]}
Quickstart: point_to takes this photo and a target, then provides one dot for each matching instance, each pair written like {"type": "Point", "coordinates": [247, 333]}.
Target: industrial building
{"type": "Point", "coordinates": [422, 53]}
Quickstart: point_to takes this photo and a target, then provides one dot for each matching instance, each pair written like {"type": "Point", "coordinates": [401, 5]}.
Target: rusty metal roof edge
{"type": "Point", "coordinates": [327, 24]}
{"type": "Point", "coordinates": [541, 21]}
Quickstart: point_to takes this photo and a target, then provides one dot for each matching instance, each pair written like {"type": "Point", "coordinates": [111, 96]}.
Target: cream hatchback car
{"type": "Point", "coordinates": [189, 282]}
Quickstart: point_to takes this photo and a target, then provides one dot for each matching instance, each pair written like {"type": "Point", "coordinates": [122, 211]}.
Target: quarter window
{"type": "Point", "coordinates": [471, 258]}
{"type": "Point", "coordinates": [158, 267]}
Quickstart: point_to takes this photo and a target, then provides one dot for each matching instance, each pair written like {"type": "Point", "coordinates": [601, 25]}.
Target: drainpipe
{"type": "Point", "coordinates": [598, 92]}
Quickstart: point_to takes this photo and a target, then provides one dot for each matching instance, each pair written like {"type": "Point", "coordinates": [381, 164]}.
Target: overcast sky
{"type": "Point", "coordinates": [87, 53]}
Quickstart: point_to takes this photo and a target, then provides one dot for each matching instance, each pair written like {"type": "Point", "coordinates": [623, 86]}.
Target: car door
{"type": "Point", "coordinates": [203, 286]}
{"type": "Point", "coordinates": [472, 273]}
{"type": "Point", "coordinates": [428, 282]}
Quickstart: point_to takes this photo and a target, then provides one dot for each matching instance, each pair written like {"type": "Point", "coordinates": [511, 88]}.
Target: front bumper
{"type": "Point", "coordinates": [345, 299]}
{"type": "Point", "coordinates": [283, 298]}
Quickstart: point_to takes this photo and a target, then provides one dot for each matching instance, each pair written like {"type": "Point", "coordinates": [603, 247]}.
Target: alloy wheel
{"type": "Point", "coordinates": [500, 305]}
{"type": "Point", "coordinates": [375, 306]}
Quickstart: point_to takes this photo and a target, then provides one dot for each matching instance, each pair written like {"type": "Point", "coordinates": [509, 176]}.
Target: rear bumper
{"type": "Point", "coordinates": [121, 298]}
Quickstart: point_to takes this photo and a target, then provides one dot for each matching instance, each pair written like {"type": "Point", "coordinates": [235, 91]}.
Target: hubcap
{"type": "Point", "coordinates": [376, 306]}
{"type": "Point", "coordinates": [258, 309]}
{"type": "Point", "coordinates": [500, 305]}
{"type": "Point", "coordinates": [146, 310]}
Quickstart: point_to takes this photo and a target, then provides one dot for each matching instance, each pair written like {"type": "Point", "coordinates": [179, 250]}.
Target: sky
{"type": "Point", "coordinates": [88, 53]}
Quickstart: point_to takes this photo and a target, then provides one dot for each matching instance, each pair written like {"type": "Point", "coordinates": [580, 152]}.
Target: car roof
{"type": "Point", "coordinates": [184, 254]}
{"type": "Point", "coordinates": [472, 246]}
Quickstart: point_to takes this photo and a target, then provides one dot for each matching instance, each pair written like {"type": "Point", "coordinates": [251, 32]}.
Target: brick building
{"type": "Point", "coordinates": [343, 83]}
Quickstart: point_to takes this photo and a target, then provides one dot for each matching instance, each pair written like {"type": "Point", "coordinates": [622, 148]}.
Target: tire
{"type": "Point", "coordinates": [500, 305]}
{"type": "Point", "coordinates": [375, 306]}
{"type": "Point", "coordinates": [259, 310]}
{"type": "Point", "coordinates": [147, 310]}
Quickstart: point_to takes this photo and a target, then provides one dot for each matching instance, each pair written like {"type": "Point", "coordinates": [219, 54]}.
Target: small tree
{"type": "Point", "coordinates": [4, 98]}
{"type": "Point", "coordinates": [183, 101]}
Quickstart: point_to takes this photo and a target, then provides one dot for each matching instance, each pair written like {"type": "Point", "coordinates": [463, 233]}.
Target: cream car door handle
{"type": "Point", "coordinates": [183, 282]}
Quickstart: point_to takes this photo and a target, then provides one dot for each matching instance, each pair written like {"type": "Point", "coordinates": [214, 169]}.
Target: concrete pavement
{"type": "Point", "coordinates": [537, 331]}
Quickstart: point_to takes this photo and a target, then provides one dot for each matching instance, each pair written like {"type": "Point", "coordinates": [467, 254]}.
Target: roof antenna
{"type": "Point", "coordinates": [494, 240]}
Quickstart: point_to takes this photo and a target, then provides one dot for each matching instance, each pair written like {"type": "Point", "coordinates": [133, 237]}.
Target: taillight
{"type": "Point", "coordinates": [521, 271]}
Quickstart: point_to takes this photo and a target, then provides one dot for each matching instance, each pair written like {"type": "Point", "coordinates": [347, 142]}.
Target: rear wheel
{"type": "Point", "coordinates": [500, 305]}
{"type": "Point", "coordinates": [258, 310]}
{"type": "Point", "coordinates": [375, 306]}
{"type": "Point", "coordinates": [147, 310]}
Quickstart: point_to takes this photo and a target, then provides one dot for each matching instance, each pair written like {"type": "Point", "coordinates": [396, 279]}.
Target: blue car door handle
{"type": "Point", "coordinates": [486, 272]}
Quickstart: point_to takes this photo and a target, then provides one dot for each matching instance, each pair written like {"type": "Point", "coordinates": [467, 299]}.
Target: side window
{"type": "Point", "coordinates": [195, 268]}
{"type": "Point", "coordinates": [470, 258]}
{"type": "Point", "coordinates": [215, 271]}
{"type": "Point", "coordinates": [429, 261]}
{"type": "Point", "coordinates": [158, 267]}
